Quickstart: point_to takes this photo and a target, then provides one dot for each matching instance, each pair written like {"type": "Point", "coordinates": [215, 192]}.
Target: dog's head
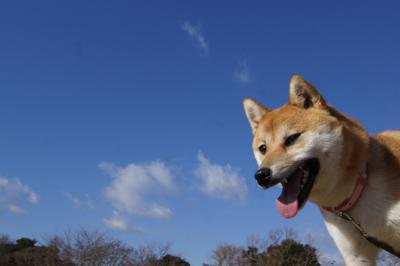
{"type": "Point", "coordinates": [298, 146]}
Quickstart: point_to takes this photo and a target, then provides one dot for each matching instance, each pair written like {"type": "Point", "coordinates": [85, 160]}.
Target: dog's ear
{"type": "Point", "coordinates": [303, 94]}
{"type": "Point", "coordinates": [254, 112]}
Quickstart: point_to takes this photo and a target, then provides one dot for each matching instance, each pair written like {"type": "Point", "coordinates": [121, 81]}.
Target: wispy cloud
{"type": "Point", "coordinates": [220, 181]}
{"type": "Point", "coordinates": [133, 186]}
{"type": "Point", "coordinates": [118, 223]}
{"type": "Point", "coordinates": [15, 209]}
{"type": "Point", "coordinates": [85, 203]}
{"type": "Point", "coordinates": [196, 34]}
{"type": "Point", "coordinates": [243, 72]}
{"type": "Point", "coordinates": [13, 193]}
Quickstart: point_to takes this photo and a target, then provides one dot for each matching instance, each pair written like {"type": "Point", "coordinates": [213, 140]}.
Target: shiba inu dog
{"type": "Point", "coordinates": [318, 154]}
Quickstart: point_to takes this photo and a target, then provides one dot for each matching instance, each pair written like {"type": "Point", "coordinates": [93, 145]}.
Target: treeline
{"type": "Point", "coordinates": [95, 248]}
{"type": "Point", "coordinates": [83, 248]}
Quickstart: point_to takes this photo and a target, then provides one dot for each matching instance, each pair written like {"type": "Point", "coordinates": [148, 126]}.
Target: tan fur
{"type": "Point", "coordinates": [344, 149]}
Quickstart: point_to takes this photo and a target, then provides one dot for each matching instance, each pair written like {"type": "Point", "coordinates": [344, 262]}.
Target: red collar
{"type": "Point", "coordinates": [348, 203]}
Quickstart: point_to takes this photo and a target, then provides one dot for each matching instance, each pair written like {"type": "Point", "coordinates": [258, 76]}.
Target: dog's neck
{"type": "Point", "coordinates": [352, 200]}
{"type": "Point", "coordinates": [353, 159]}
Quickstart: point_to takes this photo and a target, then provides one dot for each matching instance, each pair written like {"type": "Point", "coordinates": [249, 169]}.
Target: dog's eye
{"type": "Point", "coordinates": [292, 139]}
{"type": "Point", "coordinates": [262, 148]}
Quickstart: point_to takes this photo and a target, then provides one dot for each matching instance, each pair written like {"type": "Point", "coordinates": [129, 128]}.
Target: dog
{"type": "Point", "coordinates": [318, 154]}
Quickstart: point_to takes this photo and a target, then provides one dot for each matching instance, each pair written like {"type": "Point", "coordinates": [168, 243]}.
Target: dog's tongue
{"type": "Point", "coordinates": [287, 203]}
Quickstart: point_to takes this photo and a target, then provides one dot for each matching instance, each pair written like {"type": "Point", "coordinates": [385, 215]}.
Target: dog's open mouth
{"type": "Point", "coordinates": [296, 188]}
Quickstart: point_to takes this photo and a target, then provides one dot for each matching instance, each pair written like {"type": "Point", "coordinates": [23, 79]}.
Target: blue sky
{"type": "Point", "coordinates": [127, 115]}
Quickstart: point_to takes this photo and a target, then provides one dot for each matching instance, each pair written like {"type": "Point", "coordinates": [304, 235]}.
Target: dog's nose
{"type": "Point", "coordinates": [263, 175]}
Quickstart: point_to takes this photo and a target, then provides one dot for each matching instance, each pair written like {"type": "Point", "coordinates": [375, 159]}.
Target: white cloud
{"type": "Point", "coordinates": [132, 187]}
{"type": "Point", "coordinates": [15, 209]}
{"type": "Point", "coordinates": [84, 203]}
{"type": "Point", "coordinates": [195, 33]}
{"type": "Point", "coordinates": [14, 193]}
{"type": "Point", "coordinates": [116, 222]}
{"type": "Point", "coordinates": [220, 181]}
{"type": "Point", "coordinates": [243, 72]}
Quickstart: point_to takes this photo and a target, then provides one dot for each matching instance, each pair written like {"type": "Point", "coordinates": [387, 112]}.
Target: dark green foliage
{"type": "Point", "coordinates": [285, 253]}
{"type": "Point", "coordinates": [251, 256]}
{"type": "Point", "coordinates": [25, 252]}
{"type": "Point", "coordinates": [25, 243]}
{"type": "Point", "coordinates": [170, 260]}
{"type": "Point", "coordinates": [291, 253]}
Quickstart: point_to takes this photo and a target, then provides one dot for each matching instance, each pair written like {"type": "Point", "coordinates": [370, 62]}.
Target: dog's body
{"type": "Point", "coordinates": [318, 154]}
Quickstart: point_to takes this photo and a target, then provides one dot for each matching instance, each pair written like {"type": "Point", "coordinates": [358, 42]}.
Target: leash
{"type": "Point", "coordinates": [348, 203]}
{"type": "Point", "coordinates": [373, 240]}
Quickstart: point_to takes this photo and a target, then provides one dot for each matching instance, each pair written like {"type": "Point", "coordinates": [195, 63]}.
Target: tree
{"type": "Point", "coordinates": [171, 260]}
{"type": "Point", "coordinates": [25, 243]}
{"type": "Point", "coordinates": [251, 256]}
{"type": "Point", "coordinates": [149, 255]}
{"type": "Point", "coordinates": [91, 248]}
{"type": "Point", "coordinates": [272, 251]}
{"type": "Point", "coordinates": [94, 248]}
{"type": "Point", "coordinates": [228, 255]}
{"type": "Point", "coordinates": [291, 253]}
{"type": "Point", "coordinates": [25, 252]}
